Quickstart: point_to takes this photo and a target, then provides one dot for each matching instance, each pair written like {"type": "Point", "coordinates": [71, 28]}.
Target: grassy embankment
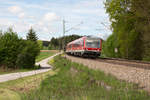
{"type": "Point", "coordinates": [42, 55]}
{"type": "Point", "coordinates": [77, 82]}
{"type": "Point", "coordinates": [12, 90]}
{"type": "Point", "coordinates": [46, 54]}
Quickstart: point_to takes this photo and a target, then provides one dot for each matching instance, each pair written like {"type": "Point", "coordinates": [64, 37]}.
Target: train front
{"type": "Point", "coordinates": [92, 46]}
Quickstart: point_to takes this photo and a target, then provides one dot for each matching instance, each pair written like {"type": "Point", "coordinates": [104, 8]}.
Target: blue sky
{"type": "Point", "coordinates": [45, 16]}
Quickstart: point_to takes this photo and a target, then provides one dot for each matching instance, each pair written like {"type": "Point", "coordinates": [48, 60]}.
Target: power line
{"type": "Point", "coordinates": [64, 31]}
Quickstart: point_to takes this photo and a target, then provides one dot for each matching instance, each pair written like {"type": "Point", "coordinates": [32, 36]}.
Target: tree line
{"type": "Point", "coordinates": [131, 29]}
{"type": "Point", "coordinates": [15, 52]}
{"type": "Point", "coordinates": [58, 43]}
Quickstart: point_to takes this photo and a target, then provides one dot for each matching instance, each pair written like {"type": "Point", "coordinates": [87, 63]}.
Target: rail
{"type": "Point", "coordinates": [126, 62]}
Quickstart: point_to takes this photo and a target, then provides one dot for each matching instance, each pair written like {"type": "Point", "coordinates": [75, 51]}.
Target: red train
{"type": "Point", "coordinates": [86, 46]}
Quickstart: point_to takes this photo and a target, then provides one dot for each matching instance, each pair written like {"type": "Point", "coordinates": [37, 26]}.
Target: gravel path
{"type": "Point", "coordinates": [122, 72]}
{"type": "Point", "coordinates": [44, 68]}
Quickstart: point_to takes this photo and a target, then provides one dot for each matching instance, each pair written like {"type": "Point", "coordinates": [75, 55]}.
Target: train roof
{"type": "Point", "coordinates": [84, 37]}
{"type": "Point", "coordinates": [91, 36]}
{"type": "Point", "coordinates": [75, 40]}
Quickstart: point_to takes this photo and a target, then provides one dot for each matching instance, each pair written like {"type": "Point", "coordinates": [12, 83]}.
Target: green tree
{"type": "Point", "coordinates": [1, 33]}
{"type": "Point", "coordinates": [31, 35]}
{"type": "Point", "coordinates": [16, 52]}
{"type": "Point", "coordinates": [56, 43]}
{"type": "Point", "coordinates": [26, 58]}
{"type": "Point", "coordinates": [40, 43]}
{"type": "Point", "coordinates": [9, 49]}
{"type": "Point", "coordinates": [141, 11]}
{"type": "Point", "coordinates": [127, 38]}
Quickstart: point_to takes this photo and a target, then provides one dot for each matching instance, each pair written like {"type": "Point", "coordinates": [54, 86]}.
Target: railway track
{"type": "Point", "coordinates": [137, 72]}
{"type": "Point", "coordinates": [125, 62]}
{"type": "Point", "coordinates": [130, 63]}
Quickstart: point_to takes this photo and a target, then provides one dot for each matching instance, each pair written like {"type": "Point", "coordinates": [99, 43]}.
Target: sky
{"type": "Point", "coordinates": [83, 17]}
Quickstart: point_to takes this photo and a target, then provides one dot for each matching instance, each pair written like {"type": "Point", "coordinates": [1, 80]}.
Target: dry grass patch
{"type": "Point", "coordinates": [26, 84]}
{"type": "Point", "coordinates": [6, 94]}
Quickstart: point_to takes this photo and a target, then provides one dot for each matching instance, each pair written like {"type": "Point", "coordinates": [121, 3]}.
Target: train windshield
{"type": "Point", "coordinates": [92, 43]}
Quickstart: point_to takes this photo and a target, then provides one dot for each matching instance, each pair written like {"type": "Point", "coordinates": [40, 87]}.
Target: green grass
{"type": "Point", "coordinates": [44, 55]}
{"type": "Point", "coordinates": [12, 90]}
{"type": "Point", "coordinates": [6, 94]}
{"type": "Point", "coordinates": [77, 82]}
{"type": "Point", "coordinates": [21, 82]}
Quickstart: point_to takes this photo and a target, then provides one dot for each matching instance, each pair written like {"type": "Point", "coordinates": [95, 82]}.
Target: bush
{"type": "Point", "coordinates": [40, 43]}
{"type": "Point", "coordinates": [26, 59]}
{"type": "Point", "coordinates": [16, 52]}
{"type": "Point", "coordinates": [9, 48]}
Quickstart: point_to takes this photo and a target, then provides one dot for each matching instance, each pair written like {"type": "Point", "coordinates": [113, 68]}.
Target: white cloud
{"type": "Point", "coordinates": [45, 29]}
{"type": "Point", "coordinates": [14, 9]}
{"type": "Point", "coordinates": [21, 15]}
{"type": "Point", "coordinates": [103, 35]}
{"type": "Point", "coordinates": [46, 17]}
{"type": "Point", "coordinates": [50, 16]}
{"type": "Point", "coordinates": [31, 17]}
{"type": "Point", "coordinates": [40, 23]}
{"type": "Point", "coordinates": [46, 23]}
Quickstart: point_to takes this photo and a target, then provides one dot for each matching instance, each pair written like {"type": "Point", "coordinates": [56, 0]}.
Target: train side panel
{"type": "Point", "coordinates": [85, 46]}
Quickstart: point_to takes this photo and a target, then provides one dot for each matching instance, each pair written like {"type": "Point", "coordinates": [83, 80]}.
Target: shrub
{"type": "Point", "coordinates": [16, 52]}
{"type": "Point", "coordinates": [9, 48]}
{"type": "Point", "coordinates": [26, 59]}
{"type": "Point", "coordinates": [40, 43]}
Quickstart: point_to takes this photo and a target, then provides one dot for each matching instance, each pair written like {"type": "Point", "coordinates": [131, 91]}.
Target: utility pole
{"type": "Point", "coordinates": [64, 30]}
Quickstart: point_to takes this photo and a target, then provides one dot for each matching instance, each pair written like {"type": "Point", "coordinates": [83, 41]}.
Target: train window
{"type": "Point", "coordinates": [81, 42]}
{"type": "Point", "coordinates": [69, 46]}
{"type": "Point", "coordinates": [93, 43]}
{"type": "Point", "coordinates": [77, 44]}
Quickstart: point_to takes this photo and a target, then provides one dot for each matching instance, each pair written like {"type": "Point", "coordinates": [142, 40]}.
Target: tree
{"type": "Point", "coordinates": [141, 11]}
{"type": "Point", "coordinates": [40, 44]}
{"type": "Point", "coordinates": [127, 38]}
{"type": "Point", "coordinates": [9, 49]}
{"type": "Point", "coordinates": [1, 33]}
{"type": "Point", "coordinates": [56, 43]}
{"type": "Point", "coordinates": [26, 58]}
{"type": "Point", "coordinates": [16, 52]}
{"type": "Point", "coordinates": [31, 35]}
{"type": "Point", "coordinates": [109, 47]}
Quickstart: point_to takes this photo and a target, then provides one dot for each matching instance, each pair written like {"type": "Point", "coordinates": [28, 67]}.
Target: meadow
{"type": "Point", "coordinates": [74, 81]}
{"type": "Point", "coordinates": [13, 90]}
{"type": "Point", "coordinates": [46, 54]}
